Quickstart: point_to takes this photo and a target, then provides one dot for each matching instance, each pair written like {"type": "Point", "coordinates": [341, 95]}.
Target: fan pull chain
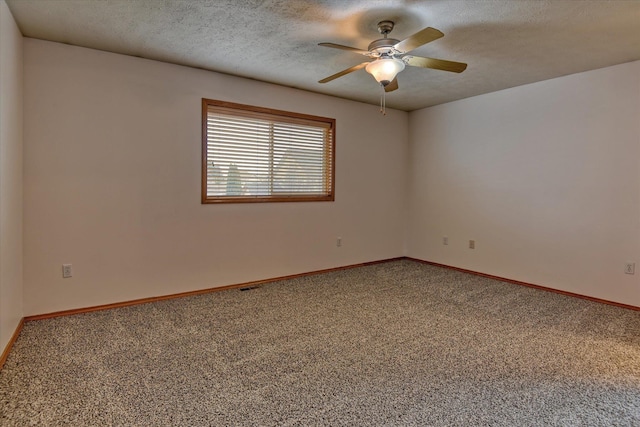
{"type": "Point", "coordinates": [383, 102]}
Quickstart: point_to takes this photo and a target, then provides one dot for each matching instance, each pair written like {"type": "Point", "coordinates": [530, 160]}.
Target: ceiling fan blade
{"type": "Point", "coordinates": [437, 64]}
{"type": "Point", "coordinates": [392, 86]}
{"type": "Point", "coordinates": [343, 72]}
{"type": "Point", "coordinates": [418, 39]}
{"type": "Point", "coordinates": [339, 46]}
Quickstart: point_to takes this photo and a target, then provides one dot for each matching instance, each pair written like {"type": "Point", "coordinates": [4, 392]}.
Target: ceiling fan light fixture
{"type": "Point", "coordinates": [384, 70]}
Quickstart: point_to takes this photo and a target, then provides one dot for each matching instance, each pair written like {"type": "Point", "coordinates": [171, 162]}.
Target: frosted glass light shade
{"type": "Point", "coordinates": [385, 70]}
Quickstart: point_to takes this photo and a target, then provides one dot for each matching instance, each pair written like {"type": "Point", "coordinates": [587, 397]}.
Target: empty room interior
{"type": "Point", "coordinates": [469, 255]}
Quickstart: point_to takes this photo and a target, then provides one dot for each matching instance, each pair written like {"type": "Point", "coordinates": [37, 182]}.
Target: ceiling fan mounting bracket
{"type": "Point", "coordinates": [385, 27]}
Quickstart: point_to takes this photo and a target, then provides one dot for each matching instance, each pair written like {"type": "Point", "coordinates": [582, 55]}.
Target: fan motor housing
{"type": "Point", "coordinates": [382, 45]}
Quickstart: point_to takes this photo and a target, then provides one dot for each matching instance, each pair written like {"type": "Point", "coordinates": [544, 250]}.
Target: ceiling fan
{"type": "Point", "coordinates": [390, 56]}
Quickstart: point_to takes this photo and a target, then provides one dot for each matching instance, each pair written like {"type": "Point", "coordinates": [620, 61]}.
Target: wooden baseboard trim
{"type": "Point", "coordinates": [529, 285]}
{"type": "Point", "coordinates": [9, 346]}
{"type": "Point", "coordinates": [198, 292]}
{"type": "Point", "coordinates": [293, 276]}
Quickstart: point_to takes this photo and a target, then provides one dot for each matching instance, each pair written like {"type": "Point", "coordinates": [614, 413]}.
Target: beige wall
{"type": "Point", "coordinates": [112, 184]}
{"type": "Point", "coordinates": [10, 175]}
{"type": "Point", "coordinates": [545, 178]}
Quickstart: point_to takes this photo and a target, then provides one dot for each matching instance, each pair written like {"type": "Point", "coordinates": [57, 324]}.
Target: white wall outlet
{"type": "Point", "coordinates": [66, 270]}
{"type": "Point", "coordinates": [472, 244]}
{"type": "Point", "coordinates": [445, 240]}
{"type": "Point", "coordinates": [630, 268]}
{"type": "Point", "coordinates": [339, 241]}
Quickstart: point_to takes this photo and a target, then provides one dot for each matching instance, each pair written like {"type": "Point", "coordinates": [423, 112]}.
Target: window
{"type": "Point", "coordinates": [254, 154]}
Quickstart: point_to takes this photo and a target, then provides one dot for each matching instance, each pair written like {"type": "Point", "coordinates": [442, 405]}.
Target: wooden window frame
{"type": "Point", "coordinates": [244, 110]}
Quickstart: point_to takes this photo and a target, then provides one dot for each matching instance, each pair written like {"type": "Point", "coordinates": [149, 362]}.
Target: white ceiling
{"type": "Point", "coordinates": [506, 43]}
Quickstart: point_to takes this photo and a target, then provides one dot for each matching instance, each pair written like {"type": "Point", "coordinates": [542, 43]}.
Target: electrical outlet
{"type": "Point", "coordinates": [339, 241]}
{"type": "Point", "coordinates": [472, 244]}
{"type": "Point", "coordinates": [630, 268]}
{"type": "Point", "coordinates": [445, 240]}
{"type": "Point", "coordinates": [66, 270]}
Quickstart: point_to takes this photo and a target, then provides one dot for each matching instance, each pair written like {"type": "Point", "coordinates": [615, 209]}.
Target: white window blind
{"type": "Point", "coordinates": [252, 154]}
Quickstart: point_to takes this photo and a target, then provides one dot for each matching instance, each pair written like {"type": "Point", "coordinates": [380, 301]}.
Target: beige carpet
{"type": "Point", "coordinates": [399, 343]}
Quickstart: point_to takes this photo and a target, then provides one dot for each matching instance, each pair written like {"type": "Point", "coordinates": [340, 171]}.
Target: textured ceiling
{"type": "Point", "coordinates": [505, 43]}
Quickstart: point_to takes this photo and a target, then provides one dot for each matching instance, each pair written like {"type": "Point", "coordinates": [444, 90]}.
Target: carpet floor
{"type": "Point", "coordinates": [397, 343]}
